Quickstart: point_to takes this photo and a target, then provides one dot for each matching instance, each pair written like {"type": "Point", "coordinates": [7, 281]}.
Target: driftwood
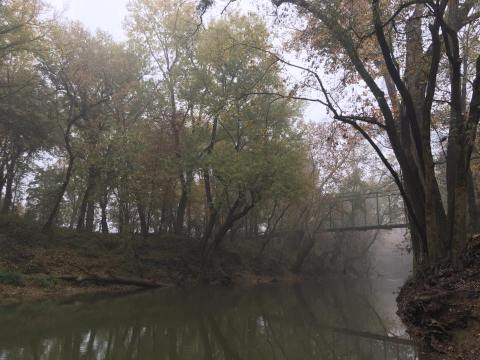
{"type": "Point", "coordinates": [111, 280]}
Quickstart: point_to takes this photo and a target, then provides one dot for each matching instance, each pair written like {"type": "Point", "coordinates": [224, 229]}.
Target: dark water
{"type": "Point", "coordinates": [335, 319]}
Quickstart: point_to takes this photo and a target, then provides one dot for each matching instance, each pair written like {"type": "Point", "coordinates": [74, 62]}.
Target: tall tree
{"type": "Point", "coordinates": [25, 128]}
{"type": "Point", "coordinates": [166, 31]}
{"type": "Point", "coordinates": [252, 149]}
{"type": "Point", "coordinates": [397, 49]}
{"type": "Point", "coordinates": [76, 65]}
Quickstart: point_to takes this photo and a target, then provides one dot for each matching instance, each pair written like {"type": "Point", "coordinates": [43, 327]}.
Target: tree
{"type": "Point", "coordinates": [21, 26]}
{"type": "Point", "coordinates": [25, 129]}
{"type": "Point", "coordinates": [404, 52]}
{"type": "Point", "coordinates": [253, 151]}
{"type": "Point", "coordinates": [76, 66]}
{"type": "Point", "coordinates": [23, 133]}
{"type": "Point", "coordinates": [165, 33]}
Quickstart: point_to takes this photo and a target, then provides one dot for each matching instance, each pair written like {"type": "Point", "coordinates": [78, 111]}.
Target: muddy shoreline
{"type": "Point", "coordinates": [31, 271]}
{"type": "Point", "coordinates": [13, 295]}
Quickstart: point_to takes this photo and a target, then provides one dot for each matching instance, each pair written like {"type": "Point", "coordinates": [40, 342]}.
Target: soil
{"type": "Point", "coordinates": [170, 261]}
{"type": "Point", "coordinates": [442, 312]}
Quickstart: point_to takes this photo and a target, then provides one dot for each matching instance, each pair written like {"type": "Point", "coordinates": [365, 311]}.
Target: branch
{"type": "Point", "coordinates": [327, 101]}
{"type": "Point", "coordinates": [366, 119]}
{"type": "Point", "coordinates": [395, 14]}
{"type": "Point", "coordinates": [472, 18]}
{"type": "Point", "coordinates": [226, 6]}
{"type": "Point", "coordinates": [432, 77]}
{"type": "Point", "coordinates": [288, 97]}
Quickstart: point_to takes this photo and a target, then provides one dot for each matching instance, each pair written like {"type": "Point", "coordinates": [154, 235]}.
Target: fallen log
{"type": "Point", "coordinates": [114, 280]}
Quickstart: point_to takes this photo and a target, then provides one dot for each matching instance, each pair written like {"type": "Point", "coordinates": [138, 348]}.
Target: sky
{"type": "Point", "coordinates": [105, 15]}
{"type": "Point", "coordinates": [108, 15]}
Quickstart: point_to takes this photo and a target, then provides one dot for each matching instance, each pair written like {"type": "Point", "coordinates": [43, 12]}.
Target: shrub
{"type": "Point", "coordinates": [23, 232]}
{"type": "Point", "coordinates": [45, 281]}
{"type": "Point", "coordinates": [12, 278]}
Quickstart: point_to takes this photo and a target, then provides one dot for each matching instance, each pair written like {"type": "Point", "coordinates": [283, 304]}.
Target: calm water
{"type": "Point", "coordinates": [332, 320]}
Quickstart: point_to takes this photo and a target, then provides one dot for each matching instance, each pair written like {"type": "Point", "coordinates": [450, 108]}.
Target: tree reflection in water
{"type": "Point", "coordinates": [334, 320]}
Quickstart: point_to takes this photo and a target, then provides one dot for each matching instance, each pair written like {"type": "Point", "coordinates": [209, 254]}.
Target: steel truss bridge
{"type": "Point", "coordinates": [363, 212]}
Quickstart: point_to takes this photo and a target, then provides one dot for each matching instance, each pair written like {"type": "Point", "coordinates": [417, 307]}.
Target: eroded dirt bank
{"type": "Point", "coordinates": [34, 267]}
{"type": "Point", "coordinates": [443, 312]}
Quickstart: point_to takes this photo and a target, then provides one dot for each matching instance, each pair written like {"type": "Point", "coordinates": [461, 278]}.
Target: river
{"type": "Point", "coordinates": [331, 319]}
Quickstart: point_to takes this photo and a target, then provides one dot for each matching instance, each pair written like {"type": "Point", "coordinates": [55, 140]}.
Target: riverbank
{"type": "Point", "coordinates": [443, 312]}
{"type": "Point", "coordinates": [68, 263]}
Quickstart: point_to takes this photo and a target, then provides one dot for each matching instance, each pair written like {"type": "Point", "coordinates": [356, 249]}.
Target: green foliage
{"type": "Point", "coordinates": [19, 19]}
{"type": "Point", "coordinates": [258, 150]}
{"type": "Point", "coordinates": [140, 124]}
{"type": "Point", "coordinates": [45, 281]}
{"type": "Point", "coordinates": [12, 278]}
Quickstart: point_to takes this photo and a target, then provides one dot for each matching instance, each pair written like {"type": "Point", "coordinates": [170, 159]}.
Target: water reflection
{"type": "Point", "coordinates": [335, 320]}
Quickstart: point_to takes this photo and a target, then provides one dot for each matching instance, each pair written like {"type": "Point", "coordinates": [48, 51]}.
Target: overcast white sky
{"type": "Point", "coordinates": [108, 15]}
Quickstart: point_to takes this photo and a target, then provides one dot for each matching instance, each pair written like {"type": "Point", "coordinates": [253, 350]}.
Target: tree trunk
{"type": "Point", "coordinates": [74, 214]}
{"type": "Point", "coordinates": [104, 222]}
{"type": "Point", "coordinates": [473, 211]}
{"type": "Point", "coordinates": [86, 213]}
{"type": "Point", "coordinates": [211, 212]}
{"type": "Point", "coordinates": [2, 178]}
{"type": "Point", "coordinates": [82, 212]}
{"type": "Point", "coordinates": [471, 134]}
{"type": "Point", "coordinates": [56, 205]}
{"type": "Point", "coordinates": [457, 162]}
{"type": "Point", "coordinates": [10, 177]}
{"type": "Point", "coordinates": [121, 226]}
{"type": "Point", "coordinates": [232, 217]}
{"type": "Point", "coordinates": [90, 217]}
{"type": "Point", "coordinates": [143, 219]}
{"type": "Point", "coordinates": [124, 220]}
{"type": "Point", "coordinates": [185, 182]}
{"type": "Point", "coordinates": [305, 250]}
{"type": "Point", "coordinates": [189, 219]}
{"type": "Point", "coordinates": [163, 219]}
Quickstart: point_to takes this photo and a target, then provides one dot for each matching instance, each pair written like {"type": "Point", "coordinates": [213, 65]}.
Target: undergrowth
{"type": "Point", "coordinates": [12, 278]}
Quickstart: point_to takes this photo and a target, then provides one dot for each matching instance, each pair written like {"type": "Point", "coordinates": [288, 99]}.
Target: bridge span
{"type": "Point", "coordinates": [368, 211]}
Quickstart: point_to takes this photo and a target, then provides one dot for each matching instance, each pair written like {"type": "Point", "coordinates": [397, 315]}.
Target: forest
{"type": "Point", "coordinates": [226, 140]}
{"type": "Point", "coordinates": [181, 130]}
